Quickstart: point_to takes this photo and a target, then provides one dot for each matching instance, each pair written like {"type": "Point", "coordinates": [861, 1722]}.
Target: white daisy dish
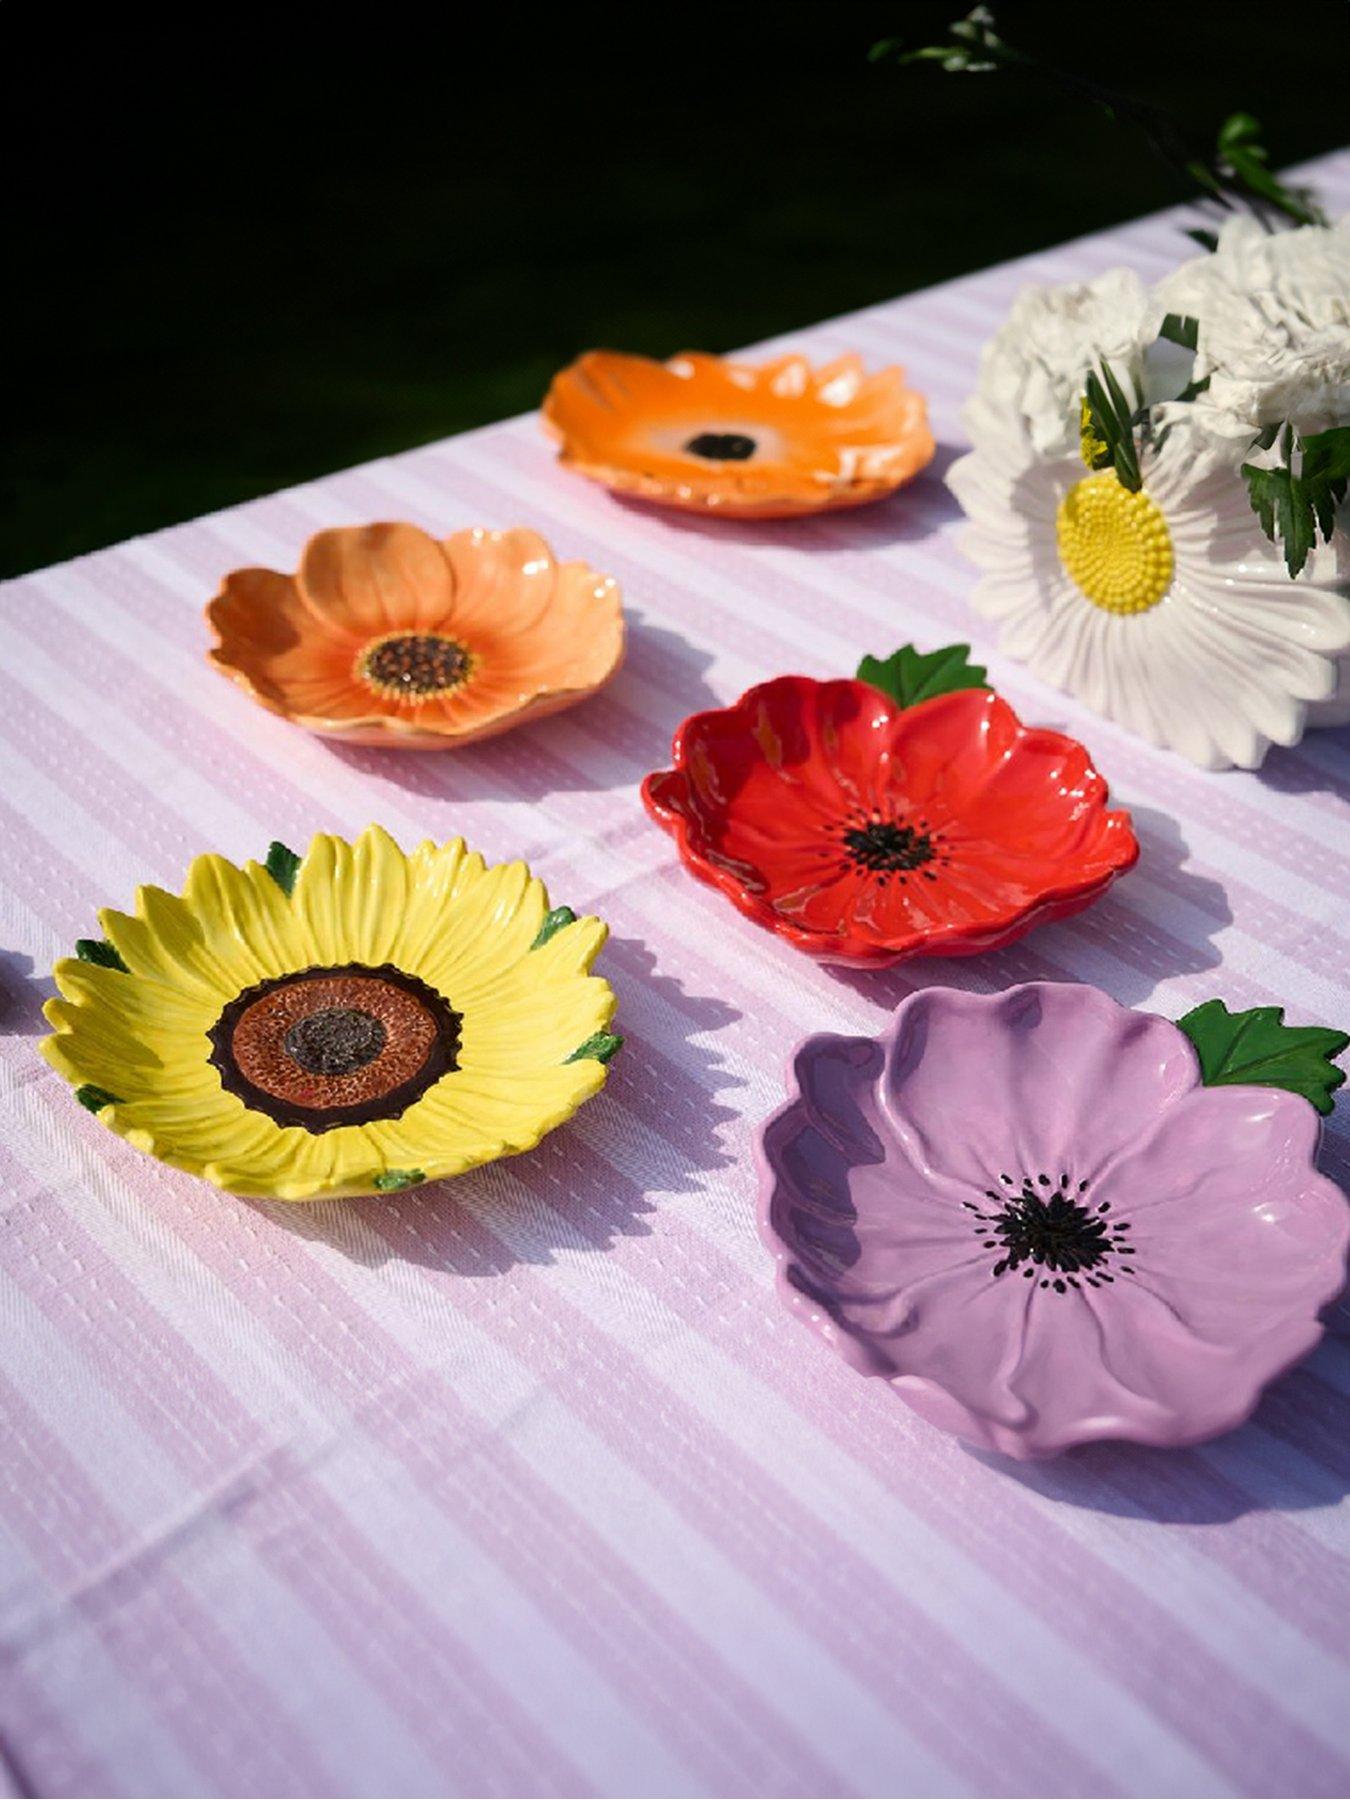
{"type": "Point", "coordinates": [1165, 610]}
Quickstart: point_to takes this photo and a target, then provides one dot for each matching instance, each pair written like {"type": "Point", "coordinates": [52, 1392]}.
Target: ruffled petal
{"type": "Point", "coordinates": [367, 580]}
{"type": "Point", "coordinates": [1045, 1079]}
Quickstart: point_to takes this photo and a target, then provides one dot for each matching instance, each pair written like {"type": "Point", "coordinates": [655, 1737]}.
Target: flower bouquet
{"type": "Point", "coordinates": [1157, 478]}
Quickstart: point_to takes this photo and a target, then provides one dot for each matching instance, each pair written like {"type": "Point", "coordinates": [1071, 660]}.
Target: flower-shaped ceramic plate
{"type": "Point", "coordinates": [1045, 1219]}
{"type": "Point", "coordinates": [752, 441]}
{"type": "Point", "coordinates": [352, 1021]}
{"type": "Point", "coordinates": [386, 636]}
{"type": "Point", "coordinates": [905, 813]}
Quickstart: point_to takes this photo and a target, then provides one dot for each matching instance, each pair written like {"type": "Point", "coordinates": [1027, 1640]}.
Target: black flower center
{"type": "Point", "coordinates": [884, 845]}
{"type": "Point", "coordinates": [1056, 1232]}
{"type": "Point", "coordinates": [415, 666]}
{"type": "Point", "coordinates": [337, 1041]}
{"type": "Point", "coordinates": [722, 446]}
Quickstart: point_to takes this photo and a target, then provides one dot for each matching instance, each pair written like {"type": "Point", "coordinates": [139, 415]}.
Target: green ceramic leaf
{"type": "Point", "coordinates": [394, 1179]}
{"type": "Point", "coordinates": [553, 923]}
{"type": "Point", "coordinates": [101, 953]}
{"type": "Point", "coordinates": [911, 675]}
{"type": "Point", "coordinates": [282, 866]}
{"type": "Point", "coordinates": [1257, 1049]}
{"type": "Point", "coordinates": [602, 1047]}
{"type": "Point", "coordinates": [96, 1098]}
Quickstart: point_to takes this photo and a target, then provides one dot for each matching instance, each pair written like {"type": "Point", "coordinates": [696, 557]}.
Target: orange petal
{"type": "Point", "coordinates": [503, 582]}
{"type": "Point", "coordinates": [371, 579]}
{"type": "Point", "coordinates": [576, 644]}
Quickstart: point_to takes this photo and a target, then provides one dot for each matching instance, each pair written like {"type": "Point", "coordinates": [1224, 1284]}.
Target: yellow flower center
{"type": "Point", "coordinates": [1095, 450]}
{"type": "Point", "coordinates": [1115, 545]}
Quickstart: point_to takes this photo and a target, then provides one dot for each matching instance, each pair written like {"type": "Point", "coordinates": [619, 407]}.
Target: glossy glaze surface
{"type": "Point", "coordinates": [377, 940]}
{"type": "Point", "coordinates": [748, 440]}
{"type": "Point", "coordinates": [492, 626]}
{"type": "Point", "coordinates": [1002, 826]}
{"type": "Point", "coordinates": [910, 1179]}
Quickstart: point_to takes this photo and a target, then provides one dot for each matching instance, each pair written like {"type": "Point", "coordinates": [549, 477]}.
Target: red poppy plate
{"type": "Point", "coordinates": [908, 812]}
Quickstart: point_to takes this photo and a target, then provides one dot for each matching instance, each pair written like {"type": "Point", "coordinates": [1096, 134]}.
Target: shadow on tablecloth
{"type": "Point", "coordinates": [908, 516]}
{"type": "Point", "coordinates": [654, 1129]}
{"type": "Point", "coordinates": [1292, 1455]}
{"type": "Point", "coordinates": [22, 994]}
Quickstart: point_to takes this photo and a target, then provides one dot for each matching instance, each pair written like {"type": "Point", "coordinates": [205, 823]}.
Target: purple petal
{"type": "Point", "coordinates": [1044, 1079]}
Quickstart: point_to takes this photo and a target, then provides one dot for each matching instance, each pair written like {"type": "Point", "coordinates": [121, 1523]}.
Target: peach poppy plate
{"type": "Point", "coordinates": [388, 636]}
{"type": "Point", "coordinates": [766, 440]}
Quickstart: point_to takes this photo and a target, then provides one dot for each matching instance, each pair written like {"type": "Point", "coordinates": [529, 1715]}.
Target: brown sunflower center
{"type": "Point", "coordinates": [722, 446]}
{"type": "Point", "coordinates": [335, 1046]}
{"type": "Point", "coordinates": [414, 665]}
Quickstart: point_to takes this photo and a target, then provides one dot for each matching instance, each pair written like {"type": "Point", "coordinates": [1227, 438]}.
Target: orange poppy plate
{"type": "Point", "coordinates": [388, 636]}
{"type": "Point", "coordinates": [766, 440]}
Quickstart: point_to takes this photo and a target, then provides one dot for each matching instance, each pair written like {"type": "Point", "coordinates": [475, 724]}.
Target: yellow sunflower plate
{"type": "Point", "coordinates": [351, 1021]}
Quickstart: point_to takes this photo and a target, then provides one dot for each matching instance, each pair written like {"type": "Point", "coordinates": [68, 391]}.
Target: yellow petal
{"type": "Point", "coordinates": [469, 1117]}
{"type": "Point", "coordinates": [538, 1030]}
{"type": "Point", "coordinates": [351, 899]}
{"type": "Point", "coordinates": [165, 942]}
{"type": "Point", "coordinates": [435, 876]}
{"type": "Point", "coordinates": [247, 921]}
{"type": "Point", "coordinates": [486, 930]}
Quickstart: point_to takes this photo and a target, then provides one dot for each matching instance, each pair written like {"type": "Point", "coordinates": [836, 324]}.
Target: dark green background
{"type": "Point", "coordinates": [247, 252]}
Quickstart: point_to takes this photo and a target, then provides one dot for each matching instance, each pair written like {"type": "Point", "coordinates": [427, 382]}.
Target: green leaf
{"type": "Point", "coordinates": [1240, 147]}
{"type": "Point", "coordinates": [1180, 328]}
{"type": "Point", "coordinates": [553, 923]}
{"type": "Point", "coordinates": [394, 1179]}
{"type": "Point", "coordinates": [282, 865]}
{"type": "Point", "coordinates": [602, 1047]}
{"type": "Point", "coordinates": [1286, 517]}
{"type": "Point", "coordinates": [1112, 420]}
{"type": "Point", "coordinates": [1194, 389]}
{"type": "Point", "coordinates": [1257, 1049]}
{"type": "Point", "coordinates": [1326, 474]}
{"type": "Point", "coordinates": [909, 675]}
{"type": "Point", "coordinates": [974, 48]}
{"type": "Point", "coordinates": [101, 953]}
{"type": "Point", "coordinates": [1295, 506]}
{"type": "Point", "coordinates": [1207, 240]}
{"type": "Point", "coordinates": [1237, 129]}
{"type": "Point", "coordinates": [94, 1099]}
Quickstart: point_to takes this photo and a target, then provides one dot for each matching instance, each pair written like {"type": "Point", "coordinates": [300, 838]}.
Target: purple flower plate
{"type": "Point", "coordinates": [1046, 1219]}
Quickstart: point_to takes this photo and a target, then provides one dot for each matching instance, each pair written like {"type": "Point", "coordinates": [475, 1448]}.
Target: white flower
{"type": "Point", "coordinates": [1033, 369]}
{"type": "Point", "coordinates": [1165, 610]}
{"type": "Point", "coordinates": [1274, 316]}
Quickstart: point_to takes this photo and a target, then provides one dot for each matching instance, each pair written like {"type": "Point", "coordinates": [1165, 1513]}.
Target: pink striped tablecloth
{"type": "Point", "coordinates": [526, 1485]}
